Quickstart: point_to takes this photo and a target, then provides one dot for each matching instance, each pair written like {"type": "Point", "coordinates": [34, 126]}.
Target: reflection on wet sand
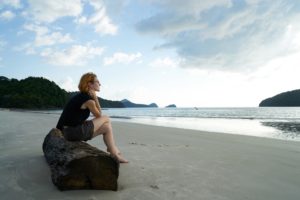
{"type": "Point", "coordinates": [287, 129]}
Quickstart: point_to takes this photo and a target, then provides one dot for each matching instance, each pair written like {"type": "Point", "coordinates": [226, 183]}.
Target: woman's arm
{"type": "Point", "coordinates": [91, 105]}
{"type": "Point", "coordinates": [95, 98]}
{"type": "Point", "coordinates": [98, 104]}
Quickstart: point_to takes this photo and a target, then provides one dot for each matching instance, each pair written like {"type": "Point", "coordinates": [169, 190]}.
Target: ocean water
{"type": "Point", "coordinates": [272, 122]}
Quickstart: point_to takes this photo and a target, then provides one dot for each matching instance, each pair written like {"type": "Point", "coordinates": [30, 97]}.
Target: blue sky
{"type": "Point", "coordinates": [210, 53]}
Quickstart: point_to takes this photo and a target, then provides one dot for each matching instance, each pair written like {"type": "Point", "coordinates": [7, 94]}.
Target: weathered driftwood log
{"type": "Point", "coordinates": [78, 165]}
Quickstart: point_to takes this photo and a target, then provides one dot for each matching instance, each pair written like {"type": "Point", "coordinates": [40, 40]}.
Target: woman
{"type": "Point", "coordinates": [73, 120]}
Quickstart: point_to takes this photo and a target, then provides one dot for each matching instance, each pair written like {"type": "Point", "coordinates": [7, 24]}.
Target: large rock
{"type": "Point", "coordinates": [78, 165]}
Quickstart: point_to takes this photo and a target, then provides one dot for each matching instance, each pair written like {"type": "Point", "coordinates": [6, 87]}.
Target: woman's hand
{"type": "Point", "coordinates": [93, 94]}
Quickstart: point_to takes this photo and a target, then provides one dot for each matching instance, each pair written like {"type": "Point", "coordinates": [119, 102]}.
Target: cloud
{"type": "Point", "coordinates": [68, 84]}
{"type": "Point", "coordinates": [13, 3]}
{"type": "Point", "coordinates": [99, 19]}
{"type": "Point", "coordinates": [44, 38]}
{"type": "Point", "coordinates": [76, 55]}
{"type": "Point", "coordinates": [224, 35]}
{"type": "Point", "coordinates": [176, 17]}
{"type": "Point", "coordinates": [165, 63]}
{"type": "Point", "coordinates": [189, 7]}
{"type": "Point", "coordinates": [49, 11]}
{"type": "Point", "coordinates": [2, 43]}
{"type": "Point", "coordinates": [122, 58]}
{"type": "Point", "coordinates": [28, 48]}
{"type": "Point", "coordinates": [7, 15]}
{"type": "Point", "coordinates": [102, 23]}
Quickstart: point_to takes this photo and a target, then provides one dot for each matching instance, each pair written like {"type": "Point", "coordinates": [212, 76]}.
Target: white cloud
{"type": "Point", "coordinates": [166, 62]}
{"type": "Point", "coordinates": [193, 7]}
{"type": "Point", "coordinates": [255, 52]}
{"type": "Point", "coordinates": [39, 30]}
{"type": "Point", "coordinates": [81, 20]}
{"type": "Point", "coordinates": [255, 1]}
{"type": "Point", "coordinates": [7, 15]}
{"type": "Point", "coordinates": [102, 23]}
{"type": "Point", "coordinates": [122, 58]}
{"type": "Point", "coordinates": [53, 38]}
{"type": "Point", "coordinates": [13, 3]}
{"type": "Point", "coordinates": [49, 11]}
{"type": "Point", "coordinates": [77, 55]}
{"type": "Point", "coordinates": [44, 38]}
{"type": "Point", "coordinates": [68, 84]}
{"type": "Point", "coordinates": [99, 19]}
{"type": "Point", "coordinates": [225, 35]}
{"type": "Point", "coordinates": [167, 24]}
{"type": "Point", "coordinates": [176, 17]}
{"type": "Point", "coordinates": [26, 47]}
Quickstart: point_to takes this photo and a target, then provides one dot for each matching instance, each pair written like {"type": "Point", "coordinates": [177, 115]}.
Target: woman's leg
{"type": "Point", "coordinates": [108, 138]}
{"type": "Point", "coordinates": [102, 126]}
{"type": "Point", "coordinates": [104, 129]}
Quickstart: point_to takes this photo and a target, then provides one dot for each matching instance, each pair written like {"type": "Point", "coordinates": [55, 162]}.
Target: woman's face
{"type": "Point", "coordinates": [95, 85]}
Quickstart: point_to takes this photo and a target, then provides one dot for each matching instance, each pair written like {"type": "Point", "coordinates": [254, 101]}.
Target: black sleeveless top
{"type": "Point", "coordinates": [72, 114]}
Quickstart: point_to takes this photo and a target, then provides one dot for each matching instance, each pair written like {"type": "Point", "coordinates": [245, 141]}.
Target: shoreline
{"type": "Point", "coordinates": [165, 163]}
{"type": "Point", "coordinates": [246, 127]}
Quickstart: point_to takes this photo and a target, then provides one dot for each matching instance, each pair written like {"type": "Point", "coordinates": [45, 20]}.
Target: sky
{"type": "Point", "coordinates": [209, 53]}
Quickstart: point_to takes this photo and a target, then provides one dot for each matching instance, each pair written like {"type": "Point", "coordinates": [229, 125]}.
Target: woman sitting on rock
{"type": "Point", "coordinates": [73, 120]}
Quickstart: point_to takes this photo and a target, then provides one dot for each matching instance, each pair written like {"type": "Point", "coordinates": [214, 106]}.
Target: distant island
{"type": "Point", "coordinates": [40, 93]}
{"type": "Point", "coordinates": [171, 106]}
{"type": "Point", "coordinates": [285, 99]}
{"type": "Point", "coordinates": [129, 104]}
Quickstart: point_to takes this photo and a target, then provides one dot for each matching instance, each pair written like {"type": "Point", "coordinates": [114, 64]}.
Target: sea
{"type": "Point", "coordinates": [271, 122]}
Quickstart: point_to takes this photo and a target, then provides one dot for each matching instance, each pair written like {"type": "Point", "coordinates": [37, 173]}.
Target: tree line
{"type": "Point", "coordinates": [38, 93]}
{"type": "Point", "coordinates": [285, 99]}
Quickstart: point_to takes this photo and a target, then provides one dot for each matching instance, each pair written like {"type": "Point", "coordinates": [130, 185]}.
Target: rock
{"type": "Point", "coordinates": [78, 165]}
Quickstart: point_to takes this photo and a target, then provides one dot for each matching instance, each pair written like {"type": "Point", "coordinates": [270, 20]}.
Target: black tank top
{"type": "Point", "coordinates": [72, 114]}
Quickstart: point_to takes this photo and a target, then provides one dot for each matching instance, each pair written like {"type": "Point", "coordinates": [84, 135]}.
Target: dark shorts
{"type": "Point", "coordinates": [82, 132]}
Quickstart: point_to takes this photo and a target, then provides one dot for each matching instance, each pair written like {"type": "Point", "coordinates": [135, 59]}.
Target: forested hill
{"type": "Point", "coordinates": [31, 93]}
{"type": "Point", "coordinates": [38, 93]}
{"type": "Point", "coordinates": [285, 99]}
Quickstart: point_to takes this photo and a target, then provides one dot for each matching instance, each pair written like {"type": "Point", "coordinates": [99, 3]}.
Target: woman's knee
{"type": "Point", "coordinates": [108, 118]}
{"type": "Point", "coordinates": [101, 120]}
{"type": "Point", "coordinates": [102, 123]}
{"type": "Point", "coordinates": [105, 118]}
{"type": "Point", "coordinates": [103, 129]}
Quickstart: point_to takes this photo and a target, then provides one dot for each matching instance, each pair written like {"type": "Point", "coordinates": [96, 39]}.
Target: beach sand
{"type": "Point", "coordinates": [165, 163]}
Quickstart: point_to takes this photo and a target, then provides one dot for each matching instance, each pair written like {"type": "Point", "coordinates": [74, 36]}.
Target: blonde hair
{"type": "Point", "coordinates": [85, 80]}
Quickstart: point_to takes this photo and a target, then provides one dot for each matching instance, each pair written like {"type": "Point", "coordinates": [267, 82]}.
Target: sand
{"type": "Point", "coordinates": [165, 163]}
